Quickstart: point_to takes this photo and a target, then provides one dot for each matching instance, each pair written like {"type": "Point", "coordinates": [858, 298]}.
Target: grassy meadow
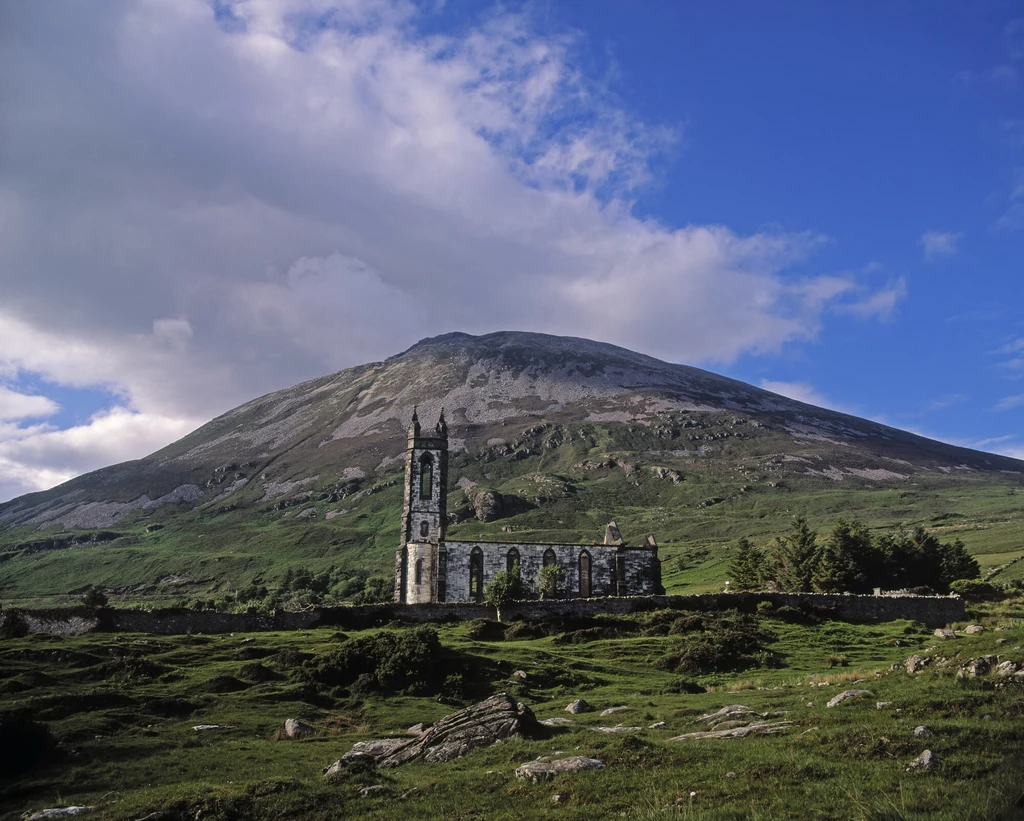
{"type": "Point", "coordinates": [122, 709]}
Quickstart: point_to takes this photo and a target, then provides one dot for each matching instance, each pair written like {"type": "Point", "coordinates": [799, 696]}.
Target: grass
{"type": "Point", "coordinates": [123, 708]}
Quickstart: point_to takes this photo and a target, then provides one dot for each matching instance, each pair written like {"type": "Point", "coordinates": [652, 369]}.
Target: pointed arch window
{"type": "Point", "coordinates": [549, 558]}
{"type": "Point", "coordinates": [585, 577]}
{"type": "Point", "coordinates": [476, 575]}
{"type": "Point", "coordinates": [512, 559]}
{"type": "Point", "coordinates": [426, 476]}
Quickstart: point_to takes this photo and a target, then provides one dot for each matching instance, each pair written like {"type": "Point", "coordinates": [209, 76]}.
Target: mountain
{"type": "Point", "coordinates": [551, 437]}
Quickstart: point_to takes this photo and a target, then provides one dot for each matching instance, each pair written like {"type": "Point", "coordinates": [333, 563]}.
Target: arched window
{"type": "Point", "coordinates": [426, 476]}
{"type": "Point", "coordinates": [584, 575]}
{"type": "Point", "coordinates": [476, 575]}
{"type": "Point", "coordinates": [419, 571]}
{"type": "Point", "coordinates": [549, 558]}
{"type": "Point", "coordinates": [424, 529]}
{"type": "Point", "coordinates": [512, 559]}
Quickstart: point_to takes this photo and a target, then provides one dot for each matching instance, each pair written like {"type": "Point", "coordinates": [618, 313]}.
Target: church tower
{"type": "Point", "coordinates": [426, 483]}
{"type": "Point", "coordinates": [421, 560]}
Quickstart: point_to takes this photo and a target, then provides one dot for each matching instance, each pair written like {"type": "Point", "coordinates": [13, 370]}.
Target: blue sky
{"type": "Point", "coordinates": [204, 202]}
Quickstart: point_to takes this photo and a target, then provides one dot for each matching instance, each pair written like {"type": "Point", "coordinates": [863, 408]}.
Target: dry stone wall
{"type": "Point", "coordinates": [933, 611]}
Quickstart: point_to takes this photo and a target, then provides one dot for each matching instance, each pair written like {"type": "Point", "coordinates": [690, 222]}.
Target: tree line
{"type": "Point", "coordinates": [850, 560]}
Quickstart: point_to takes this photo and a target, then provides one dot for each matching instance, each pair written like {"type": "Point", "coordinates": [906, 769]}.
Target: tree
{"type": "Point", "coordinates": [793, 557]}
{"type": "Point", "coordinates": [548, 580]}
{"type": "Point", "coordinates": [843, 563]}
{"type": "Point", "coordinates": [745, 570]}
{"type": "Point", "coordinates": [94, 598]}
{"type": "Point", "coordinates": [956, 563]}
{"type": "Point", "coordinates": [505, 587]}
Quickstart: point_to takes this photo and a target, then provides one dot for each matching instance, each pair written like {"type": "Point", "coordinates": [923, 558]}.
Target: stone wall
{"type": "Point", "coordinates": [933, 611]}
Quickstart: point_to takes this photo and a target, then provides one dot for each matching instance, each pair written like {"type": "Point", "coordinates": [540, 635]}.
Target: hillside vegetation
{"type": "Point", "coordinates": [566, 434]}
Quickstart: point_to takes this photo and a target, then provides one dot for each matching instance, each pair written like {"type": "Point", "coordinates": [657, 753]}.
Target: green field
{"type": "Point", "coordinates": [123, 708]}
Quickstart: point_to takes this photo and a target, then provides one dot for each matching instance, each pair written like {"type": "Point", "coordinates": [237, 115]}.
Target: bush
{"type": "Point", "coordinates": [976, 591]}
{"type": "Point", "coordinates": [94, 598]}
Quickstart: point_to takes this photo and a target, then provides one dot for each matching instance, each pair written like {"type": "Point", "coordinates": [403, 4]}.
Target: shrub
{"type": "Point", "coordinates": [505, 587]}
{"type": "Point", "coordinates": [94, 598]}
{"type": "Point", "coordinates": [976, 591]}
{"type": "Point", "coordinates": [548, 580]}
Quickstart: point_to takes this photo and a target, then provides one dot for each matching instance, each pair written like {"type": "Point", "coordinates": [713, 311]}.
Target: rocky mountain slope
{"type": "Point", "coordinates": [550, 437]}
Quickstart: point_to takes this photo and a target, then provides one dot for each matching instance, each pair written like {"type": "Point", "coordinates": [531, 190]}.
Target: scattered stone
{"type": "Point", "coordinates": [57, 812]}
{"type": "Point", "coordinates": [457, 734]}
{"type": "Point", "coordinates": [757, 728]}
{"type": "Point", "coordinates": [922, 731]}
{"type": "Point", "coordinates": [847, 695]}
{"type": "Point", "coordinates": [1007, 668]}
{"type": "Point", "coordinates": [369, 792]}
{"type": "Point", "coordinates": [915, 664]}
{"type": "Point", "coordinates": [519, 674]}
{"type": "Point", "coordinates": [613, 710]}
{"type": "Point", "coordinates": [730, 775]}
{"type": "Point", "coordinates": [657, 725]}
{"type": "Point", "coordinates": [976, 667]}
{"type": "Point", "coordinates": [557, 721]}
{"type": "Point", "coordinates": [418, 729]}
{"type": "Point", "coordinates": [974, 629]}
{"type": "Point", "coordinates": [924, 762]}
{"type": "Point", "coordinates": [945, 633]}
{"type": "Point", "coordinates": [559, 798]}
{"type": "Point", "coordinates": [539, 770]}
{"type": "Point", "coordinates": [725, 712]}
{"type": "Point", "coordinates": [293, 728]}
{"type": "Point", "coordinates": [618, 729]}
{"type": "Point", "coordinates": [200, 728]}
{"type": "Point", "coordinates": [578, 706]}
{"type": "Point", "coordinates": [881, 705]}
{"type": "Point", "coordinates": [729, 725]}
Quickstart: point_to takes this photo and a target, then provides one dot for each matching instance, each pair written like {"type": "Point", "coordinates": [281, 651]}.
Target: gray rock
{"type": "Point", "coordinates": [945, 633]}
{"type": "Point", "coordinates": [725, 712]}
{"type": "Point", "coordinates": [520, 674]}
{"type": "Point", "coordinates": [915, 664]}
{"type": "Point", "coordinates": [755, 728]}
{"type": "Point", "coordinates": [557, 721]}
{"type": "Point", "coordinates": [293, 728]}
{"type": "Point", "coordinates": [976, 667]}
{"type": "Point", "coordinates": [974, 629]}
{"type": "Point", "coordinates": [613, 710]}
{"type": "Point", "coordinates": [924, 762]}
{"type": "Point", "coordinates": [459, 733]}
{"type": "Point", "coordinates": [881, 705]}
{"type": "Point", "coordinates": [657, 725]}
{"type": "Point", "coordinates": [578, 706]}
{"type": "Point", "coordinates": [375, 789]}
{"type": "Point", "coordinates": [418, 729]}
{"type": "Point", "coordinates": [847, 695]}
{"type": "Point", "coordinates": [618, 729]}
{"type": "Point", "coordinates": [375, 749]}
{"type": "Point", "coordinates": [1007, 668]}
{"type": "Point", "coordinates": [57, 812]}
{"type": "Point", "coordinates": [922, 731]}
{"type": "Point", "coordinates": [540, 770]}
{"type": "Point", "coordinates": [488, 505]}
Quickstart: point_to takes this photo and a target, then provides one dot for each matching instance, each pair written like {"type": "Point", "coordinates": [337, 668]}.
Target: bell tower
{"type": "Point", "coordinates": [426, 483]}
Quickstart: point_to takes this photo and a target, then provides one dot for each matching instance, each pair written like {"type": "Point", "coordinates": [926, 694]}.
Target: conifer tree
{"type": "Point", "coordinates": [793, 557]}
{"type": "Point", "coordinates": [842, 564]}
{"type": "Point", "coordinates": [745, 570]}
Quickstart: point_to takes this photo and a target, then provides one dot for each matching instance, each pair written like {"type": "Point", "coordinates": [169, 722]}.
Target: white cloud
{"type": "Point", "coordinates": [938, 244]}
{"type": "Point", "coordinates": [195, 212]}
{"type": "Point", "coordinates": [1009, 402]}
{"type": "Point", "coordinates": [880, 305]}
{"type": "Point", "coordinates": [801, 392]}
{"type": "Point", "coordinates": [15, 405]}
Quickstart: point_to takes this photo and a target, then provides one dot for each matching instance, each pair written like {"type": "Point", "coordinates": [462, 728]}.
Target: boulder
{"type": "Point", "coordinates": [915, 664]}
{"type": "Point", "coordinates": [1007, 668]}
{"type": "Point", "coordinates": [945, 633]}
{"type": "Point", "coordinates": [847, 695]}
{"type": "Point", "coordinates": [578, 706]}
{"type": "Point", "coordinates": [293, 728]}
{"type": "Point", "coordinates": [457, 734]}
{"type": "Point", "coordinates": [976, 667]}
{"type": "Point", "coordinates": [924, 762]}
{"type": "Point", "coordinates": [755, 728]}
{"type": "Point", "coordinates": [974, 629]}
{"type": "Point", "coordinates": [725, 712]}
{"type": "Point", "coordinates": [613, 710]}
{"type": "Point", "coordinates": [488, 505]}
{"type": "Point", "coordinates": [922, 731]}
{"type": "Point", "coordinates": [540, 770]}
{"type": "Point", "coordinates": [557, 721]}
{"type": "Point", "coordinates": [418, 729]}
{"type": "Point", "coordinates": [618, 729]}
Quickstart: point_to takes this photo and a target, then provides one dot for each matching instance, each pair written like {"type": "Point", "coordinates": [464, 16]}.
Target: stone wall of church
{"type": "Point", "coordinates": [638, 569]}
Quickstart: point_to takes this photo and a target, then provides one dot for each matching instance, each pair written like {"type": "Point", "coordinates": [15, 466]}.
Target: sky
{"type": "Point", "coordinates": [202, 201]}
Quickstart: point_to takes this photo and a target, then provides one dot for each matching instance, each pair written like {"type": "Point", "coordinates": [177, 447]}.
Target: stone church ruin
{"type": "Point", "coordinates": [431, 568]}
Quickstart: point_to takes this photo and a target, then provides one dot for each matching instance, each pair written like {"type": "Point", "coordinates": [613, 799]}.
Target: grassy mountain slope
{"type": "Point", "coordinates": [578, 432]}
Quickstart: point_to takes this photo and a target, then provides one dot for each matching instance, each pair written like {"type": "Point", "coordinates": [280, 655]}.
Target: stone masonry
{"type": "Point", "coordinates": [429, 568]}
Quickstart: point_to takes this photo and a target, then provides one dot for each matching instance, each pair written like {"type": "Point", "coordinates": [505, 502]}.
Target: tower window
{"type": "Point", "coordinates": [426, 476]}
{"type": "Point", "coordinates": [424, 529]}
{"type": "Point", "coordinates": [419, 571]}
